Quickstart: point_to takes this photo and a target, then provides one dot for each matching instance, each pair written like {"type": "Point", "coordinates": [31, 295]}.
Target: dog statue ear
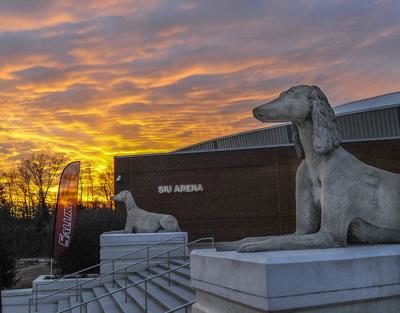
{"type": "Point", "coordinates": [130, 202]}
{"type": "Point", "coordinates": [297, 142]}
{"type": "Point", "coordinates": [326, 136]}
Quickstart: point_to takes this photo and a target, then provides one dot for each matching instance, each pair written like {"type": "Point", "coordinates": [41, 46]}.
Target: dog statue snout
{"type": "Point", "coordinates": [259, 114]}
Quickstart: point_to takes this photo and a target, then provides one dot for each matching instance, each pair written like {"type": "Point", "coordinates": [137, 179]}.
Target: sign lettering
{"type": "Point", "coordinates": [180, 188]}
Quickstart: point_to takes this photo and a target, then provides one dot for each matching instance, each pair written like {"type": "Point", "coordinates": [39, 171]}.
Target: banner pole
{"type": "Point", "coordinates": [55, 215]}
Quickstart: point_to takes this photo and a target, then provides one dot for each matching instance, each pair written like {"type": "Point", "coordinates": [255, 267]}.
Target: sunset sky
{"type": "Point", "coordinates": [99, 78]}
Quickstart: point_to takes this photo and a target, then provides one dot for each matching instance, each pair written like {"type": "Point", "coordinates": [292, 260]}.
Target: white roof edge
{"type": "Point", "coordinates": [369, 104]}
{"type": "Point", "coordinates": [247, 148]}
{"type": "Point", "coordinates": [276, 125]}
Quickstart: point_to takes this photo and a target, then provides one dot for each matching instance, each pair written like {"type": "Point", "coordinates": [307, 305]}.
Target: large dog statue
{"type": "Point", "coordinates": [339, 199]}
{"type": "Point", "coordinates": [141, 221]}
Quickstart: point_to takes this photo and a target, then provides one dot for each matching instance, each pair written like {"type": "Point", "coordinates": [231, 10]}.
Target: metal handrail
{"type": "Point", "coordinates": [36, 290]}
{"type": "Point", "coordinates": [79, 305]}
{"type": "Point", "coordinates": [79, 285]}
{"type": "Point", "coordinates": [183, 306]}
{"type": "Point", "coordinates": [110, 260]}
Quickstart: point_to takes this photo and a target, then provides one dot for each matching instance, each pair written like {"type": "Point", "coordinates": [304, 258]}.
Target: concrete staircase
{"type": "Point", "coordinates": [138, 274]}
{"type": "Point", "coordinates": [162, 296]}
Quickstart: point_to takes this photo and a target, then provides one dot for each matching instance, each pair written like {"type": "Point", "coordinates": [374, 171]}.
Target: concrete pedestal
{"type": "Point", "coordinates": [358, 279]}
{"type": "Point", "coordinates": [117, 244]}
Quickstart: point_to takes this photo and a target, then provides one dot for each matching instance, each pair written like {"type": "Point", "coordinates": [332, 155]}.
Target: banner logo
{"type": "Point", "coordinates": [65, 237]}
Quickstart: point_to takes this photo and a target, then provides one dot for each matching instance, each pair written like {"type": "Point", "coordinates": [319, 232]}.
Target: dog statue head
{"type": "Point", "coordinates": [126, 197]}
{"type": "Point", "coordinates": [297, 105]}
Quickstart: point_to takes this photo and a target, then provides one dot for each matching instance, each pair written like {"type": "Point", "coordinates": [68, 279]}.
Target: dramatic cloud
{"type": "Point", "coordinates": [93, 79]}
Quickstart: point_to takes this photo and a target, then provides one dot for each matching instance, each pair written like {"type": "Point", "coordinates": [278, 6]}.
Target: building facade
{"type": "Point", "coordinates": [244, 184]}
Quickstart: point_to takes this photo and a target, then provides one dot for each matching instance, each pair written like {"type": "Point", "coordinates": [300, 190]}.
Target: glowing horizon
{"type": "Point", "coordinates": [95, 79]}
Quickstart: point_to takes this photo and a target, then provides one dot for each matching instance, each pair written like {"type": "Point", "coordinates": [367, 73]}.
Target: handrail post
{"type": "Point", "coordinates": [77, 289]}
{"type": "Point", "coordinates": [145, 295]}
{"type": "Point", "coordinates": [126, 285]}
{"type": "Point", "coordinates": [148, 261]}
{"type": "Point", "coordinates": [36, 293]}
{"type": "Point", "coordinates": [169, 273]}
{"type": "Point", "coordinates": [113, 273]}
{"type": "Point", "coordinates": [29, 305]}
{"type": "Point", "coordinates": [80, 294]}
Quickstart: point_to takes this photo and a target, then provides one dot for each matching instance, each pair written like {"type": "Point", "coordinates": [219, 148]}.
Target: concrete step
{"type": "Point", "coordinates": [94, 306]}
{"type": "Point", "coordinates": [16, 296]}
{"type": "Point", "coordinates": [73, 302]}
{"type": "Point", "coordinates": [179, 261]}
{"type": "Point", "coordinates": [63, 304]}
{"type": "Point", "coordinates": [42, 308]}
{"type": "Point", "coordinates": [107, 303]}
{"type": "Point", "coordinates": [132, 296]}
{"type": "Point", "coordinates": [184, 271]}
{"type": "Point", "coordinates": [180, 293]}
{"type": "Point", "coordinates": [175, 278]}
{"type": "Point", "coordinates": [164, 297]}
{"type": "Point", "coordinates": [138, 296]}
{"type": "Point", "coordinates": [127, 305]}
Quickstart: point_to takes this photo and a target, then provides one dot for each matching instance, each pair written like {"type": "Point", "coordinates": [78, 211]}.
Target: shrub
{"type": "Point", "coordinates": [7, 249]}
{"type": "Point", "coordinates": [84, 250]}
{"type": "Point", "coordinates": [32, 240]}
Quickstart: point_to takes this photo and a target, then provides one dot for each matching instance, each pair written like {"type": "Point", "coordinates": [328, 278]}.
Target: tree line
{"type": "Point", "coordinates": [31, 187]}
{"type": "Point", "coordinates": [28, 194]}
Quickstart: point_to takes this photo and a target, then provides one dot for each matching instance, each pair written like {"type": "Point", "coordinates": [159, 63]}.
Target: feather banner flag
{"type": "Point", "coordinates": [66, 209]}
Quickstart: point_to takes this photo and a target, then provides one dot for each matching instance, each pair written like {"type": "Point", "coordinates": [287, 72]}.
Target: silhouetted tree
{"type": "Point", "coordinates": [25, 186]}
{"type": "Point", "coordinates": [7, 243]}
{"type": "Point", "coordinates": [43, 169]}
{"type": "Point", "coordinates": [106, 186]}
{"type": "Point", "coordinates": [10, 187]}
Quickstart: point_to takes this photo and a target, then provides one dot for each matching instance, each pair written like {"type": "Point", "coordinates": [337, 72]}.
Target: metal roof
{"type": "Point", "coordinates": [373, 118]}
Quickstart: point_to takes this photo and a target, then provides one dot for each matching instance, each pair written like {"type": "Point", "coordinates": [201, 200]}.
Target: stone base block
{"type": "Point", "coordinates": [116, 244]}
{"type": "Point", "coordinates": [357, 279]}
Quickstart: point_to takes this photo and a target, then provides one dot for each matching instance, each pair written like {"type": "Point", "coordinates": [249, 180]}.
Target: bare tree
{"type": "Point", "coordinates": [3, 200]}
{"type": "Point", "coordinates": [106, 185]}
{"type": "Point", "coordinates": [10, 187]}
{"type": "Point", "coordinates": [90, 185]}
{"type": "Point", "coordinates": [43, 170]}
{"type": "Point", "coordinates": [24, 184]}
{"type": "Point", "coordinates": [87, 185]}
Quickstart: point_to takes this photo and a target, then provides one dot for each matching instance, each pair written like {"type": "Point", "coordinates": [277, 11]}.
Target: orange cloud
{"type": "Point", "coordinates": [94, 79]}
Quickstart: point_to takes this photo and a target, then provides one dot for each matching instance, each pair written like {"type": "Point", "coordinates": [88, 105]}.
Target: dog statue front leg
{"type": "Point", "coordinates": [234, 245]}
{"type": "Point", "coordinates": [318, 240]}
{"type": "Point", "coordinates": [308, 214]}
{"type": "Point", "coordinates": [129, 225]}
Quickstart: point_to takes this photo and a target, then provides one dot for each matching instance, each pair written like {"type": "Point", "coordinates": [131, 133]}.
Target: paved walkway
{"type": "Point", "coordinates": [29, 269]}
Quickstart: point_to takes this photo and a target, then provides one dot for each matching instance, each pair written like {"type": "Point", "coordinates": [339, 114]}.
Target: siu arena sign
{"type": "Point", "coordinates": [180, 188]}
